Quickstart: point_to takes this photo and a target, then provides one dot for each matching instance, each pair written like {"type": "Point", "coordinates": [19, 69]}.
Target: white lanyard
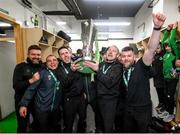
{"type": "Point", "coordinates": [65, 69]}
{"type": "Point", "coordinates": [126, 80]}
{"type": "Point", "coordinates": [55, 79]}
{"type": "Point", "coordinates": [105, 70]}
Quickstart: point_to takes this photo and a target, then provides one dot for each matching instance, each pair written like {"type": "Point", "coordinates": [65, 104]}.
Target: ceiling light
{"type": "Point", "coordinates": [61, 23]}
{"type": "Point", "coordinates": [109, 33]}
{"type": "Point", "coordinates": [112, 23]}
{"type": "Point", "coordinates": [3, 24]}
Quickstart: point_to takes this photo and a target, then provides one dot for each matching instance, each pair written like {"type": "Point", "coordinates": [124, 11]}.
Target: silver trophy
{"type": "Point", "coordinates": [88, 36]}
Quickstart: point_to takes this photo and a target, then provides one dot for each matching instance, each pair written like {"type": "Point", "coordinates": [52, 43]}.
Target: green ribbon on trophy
{"type": "Point", "coordinates": [88, 36]}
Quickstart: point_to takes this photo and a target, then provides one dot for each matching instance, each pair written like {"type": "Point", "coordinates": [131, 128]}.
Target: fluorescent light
{"type": "Point", "coordinates": [61, 23]}
{"type": "Point", "coordinates": [3, 24]}
{"type": "Point", "coordinates": [109, 33]}
{"type": "Point", "coordinates": [115, 35]}
{"type": "Point", "coordinates": [11, 41]}
{"type": "Point", "coordinates": [112, 23]}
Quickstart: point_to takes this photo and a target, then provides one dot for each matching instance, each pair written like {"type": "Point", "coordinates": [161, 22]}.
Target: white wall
{"type": "Point", "coordinates": [143, 16]}
{"type": "Point", "coordinates": [21, 14]}
{"type": "Point", "coordinates": [16, 10]}
{"type": "Point", "coordinates": [8, 62]}
{"type": "Point", "coordinates": [75, 45]}
{"type": "Point", "coordinates": [167, 7]}
{"type": "Point", "coordinates": [119, 43]}
{"type": "Point", "coordinates": [159, 7]}
{"type": "Point", "coordinates": [171, 11]}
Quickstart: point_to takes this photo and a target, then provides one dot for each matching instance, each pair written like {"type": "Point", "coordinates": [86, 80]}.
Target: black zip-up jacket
{"type": "Point", "coordinates": [157, 68]}
{"type": "Point", "coordinates": [108, 79]}
{"type": "Point", "coordinates": [72, 81]}
{"type": "Point", "coordinates": [47, 95]}
{"type": "Point", "coordinates": [22, 73]}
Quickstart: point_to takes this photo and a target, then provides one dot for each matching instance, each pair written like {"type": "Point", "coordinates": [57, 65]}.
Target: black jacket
{"type": "Point", "coordinates": [157, 68]}
{"type": "Point", "coordinates": [108, 79]}
{"type": "Point", "coordinates": [72, 81]}
{"type": "Point", "coordinates": [22, 73]}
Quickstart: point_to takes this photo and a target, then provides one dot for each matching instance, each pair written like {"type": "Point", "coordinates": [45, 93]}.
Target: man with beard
{"type": "Point", "coordinates": [24, 75]}
{"type": "Point", "coordinates": [138, 110]}
{"type": "Point", "coordinates": [109, 74]}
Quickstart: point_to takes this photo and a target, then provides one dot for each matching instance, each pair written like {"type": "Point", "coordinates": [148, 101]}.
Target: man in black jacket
{"type": "Point", "coordinates": [159, 83]}
{"type": "Point", "coordinates": [25, 74]}
{"type": "Point", "coordinates": [138, 108]}
{"type": "Point", "coordinates": [109, 74]}
{"type": "Point", "coordinates": [73, 93]}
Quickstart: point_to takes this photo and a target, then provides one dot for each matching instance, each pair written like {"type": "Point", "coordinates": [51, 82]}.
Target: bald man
{"type": "Point", "coordinates": [109, 75]}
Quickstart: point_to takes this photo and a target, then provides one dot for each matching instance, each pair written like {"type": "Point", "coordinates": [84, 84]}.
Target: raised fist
{"type": "Point", "coordinates": [158, 20]}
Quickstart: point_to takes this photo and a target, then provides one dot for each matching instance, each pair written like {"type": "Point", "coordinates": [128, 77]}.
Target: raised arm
{"type": "Point", "coordinates": [158, 20]}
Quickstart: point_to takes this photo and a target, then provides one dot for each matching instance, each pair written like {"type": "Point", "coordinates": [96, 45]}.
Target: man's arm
{"type": "Point", "coordinates": [29, 94]}
{"type": "Point", "coordinates": [158, 20]}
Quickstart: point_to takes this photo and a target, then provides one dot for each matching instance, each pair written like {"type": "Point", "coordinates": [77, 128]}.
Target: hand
{"type": "Point", "coordinates": [169, 26]}
{"type": "Point", "coordinates": [92, 65]}
{"type": "Point", "coordinates": [177, 63]}
{"type": "Point", "coordinates": [34, 78]}
{"type": "Point", "coordinates": [175, 25]}
{"type": "Point", "coordinates": [23, 111]}
{"type": "Point", "coordinates": [158, 20]}
{"type": "Point", "coordinates": [75, 67]}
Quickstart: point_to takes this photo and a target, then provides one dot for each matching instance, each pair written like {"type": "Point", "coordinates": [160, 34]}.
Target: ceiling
{"type": "Point", "coordinates": [103, 9]}
{"type": "Point", "coordinates": [91, 9]}
{"type": "Point", "coordinates": [99, 10]}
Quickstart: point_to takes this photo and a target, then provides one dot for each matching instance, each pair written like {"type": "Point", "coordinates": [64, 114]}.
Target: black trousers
{"type": "Point", "coordinates": [22, 123]}
{"type": "Point", "coordinates": [97, 115]}
{"type": "Point", "coordinates": [74, 106]}
{"type": "Point", "coordinates": [170, 89]}
{"type": "Point", "coordinates": [137, 119]}
{"type": "Point", "coordinates": [119, 118]}
{"type": "Point", "coordinates": [47, 121]}
{"type": "Point", "coordinates": [107, 107]}
{"type": "Point", "coordinates": [161, 95]}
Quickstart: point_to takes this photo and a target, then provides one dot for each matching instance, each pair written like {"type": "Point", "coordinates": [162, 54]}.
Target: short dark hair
{"type": "Point", "coordinates": [63, 47]}
{"type": "Point", "coordinates": [104, 50]}
{"type": "Point", "coordinates": [128, 48]}
{"type": "Point", "coordinates": [35, 47]}
{"type": "Point", "coordinates": [79, 51]}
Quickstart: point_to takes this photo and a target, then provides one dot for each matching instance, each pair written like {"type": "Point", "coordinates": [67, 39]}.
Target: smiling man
{"type": "Point", "coordinates": [109, 74]}
{"type": "Point", "coordinates": [73, 92]}
{"type": "Point", "coordinates": [24, 75]}
{"type": "Point", "coordinates": [138, 110]}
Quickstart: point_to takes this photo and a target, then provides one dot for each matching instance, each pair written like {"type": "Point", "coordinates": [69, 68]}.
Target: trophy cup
{"type": "Point", "coordinates": [88, 36]}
